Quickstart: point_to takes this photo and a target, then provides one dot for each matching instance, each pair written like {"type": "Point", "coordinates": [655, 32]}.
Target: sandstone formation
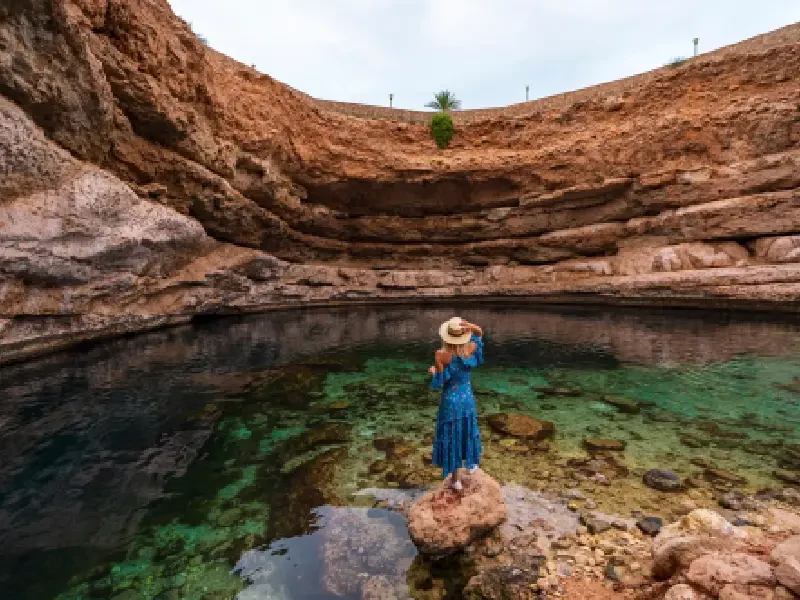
{"type": "Point", "coordinates": [445, 521]}
{"type": "Point", "coordinates": [148, 179]}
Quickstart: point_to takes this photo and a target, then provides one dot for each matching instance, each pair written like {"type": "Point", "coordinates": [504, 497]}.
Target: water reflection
{"type": "Point", "coordinates": [104, 448]}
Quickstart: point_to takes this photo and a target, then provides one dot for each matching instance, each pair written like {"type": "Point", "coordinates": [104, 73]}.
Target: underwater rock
{"type": "Point", "coordinates": [650, 525]}
{"type": "Point", "coordinates": [378, 466]}
{"type": "Point", "coordinates": [722, 476]}
{"type": "Point", "coordinates": [662, 480]}
{"type": "Point", "coordinates": [521, 426]}
{"type": "Point", "coordinates": [444, 521]}
{"type": "Point", "coordinates": [309, 486]}
{"type": "Point", "coordinates": [736, 500]}
{"type": "Point", "coordinates": [321, 435]}
{"type": "Point", "coordinates": [624, 405]}
{"type": "Point", "coordinates": [600, 444]}
{"type": "Point", "coordinates": [693, 441]}
{"type": "Point", "coordinates": [363, 541]}
{"type": "Point", "coordinates": [395, 447]}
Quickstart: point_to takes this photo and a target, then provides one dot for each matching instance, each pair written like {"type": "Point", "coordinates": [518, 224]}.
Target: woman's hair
{"type": "Point", "coordinates": [457, 349]}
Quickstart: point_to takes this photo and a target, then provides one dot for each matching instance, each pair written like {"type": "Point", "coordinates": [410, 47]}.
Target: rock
{"type": "Point", "coordinates": [650, 525]}
{"type": "Point", "coordinates": [789, 548]}
{"type": "Point", "coordinates": [788, 573]}
{"type": "Point", "coordinates": [378, 466]}
{"type": "Point", "coordinates": [738, 501]}
{"type": "Point", "coordinates": [600, 444]}
{"type": "Point", "coordinates": [624, 405]}
{"type": "Point", "coordinates": [597, 522]}
{"type": "Point", "coordinates": [444, 521]}
{"type": "Point", "coordinates": [680, 592]}
{"type": "Point", "coordinates": [506, 581]}
{"type": "Point", "coordinates": [714, 571]}
{"type": "Point", "coordinates": [521, 426]}
{"type": "Point", "coordinates": [613, 572]}
{"type": "Point", "coordinates": [722, 476]}
{"type": "Point", "coordinates": [694, 535]}
{"type": "Point", "coordinates": [662, 480]}
{"type": "Point", "coordinates": [787, 476]}
{"type": "Point", "coordinates": [747, 592]}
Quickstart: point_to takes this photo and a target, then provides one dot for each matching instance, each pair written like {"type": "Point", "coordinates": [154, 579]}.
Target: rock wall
{"type": "Point", "coordinates": [148, 179]}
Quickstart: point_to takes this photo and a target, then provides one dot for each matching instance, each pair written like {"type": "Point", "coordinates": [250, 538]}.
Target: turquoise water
{"type": "Point", "coordinates": [226, 458]}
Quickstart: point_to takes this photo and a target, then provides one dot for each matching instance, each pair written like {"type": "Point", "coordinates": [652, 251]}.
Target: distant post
{"type": "Point", "coordinates": [696, 42]}
{"type": "Point", "coordinates": [391, 98]}
{"type": "Point", "coordinates": [527, 89]}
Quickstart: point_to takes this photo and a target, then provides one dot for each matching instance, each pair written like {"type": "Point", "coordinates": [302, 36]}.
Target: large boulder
{"type": "Point", "coordinates": [788, 574]}
{"type": "Point", "coordinates": [445, 521]}
{"type": "Point", "coordinates": [713, 572]}
{"type": "Point", "coordinates": [521, 426]}
{"type": "Point", "coordinates": [699, 533]}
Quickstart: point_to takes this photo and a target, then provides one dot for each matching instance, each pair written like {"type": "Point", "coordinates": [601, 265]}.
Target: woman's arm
{"type": "Point", "coordinates": [473, 328]}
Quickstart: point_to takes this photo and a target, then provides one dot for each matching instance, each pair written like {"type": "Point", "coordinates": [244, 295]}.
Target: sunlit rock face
{"type": "Point", "coordinates": [148, 179]}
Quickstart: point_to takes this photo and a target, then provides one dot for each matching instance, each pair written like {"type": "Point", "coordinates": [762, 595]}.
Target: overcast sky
{"type": "Point", "coordinates": [485, 51]}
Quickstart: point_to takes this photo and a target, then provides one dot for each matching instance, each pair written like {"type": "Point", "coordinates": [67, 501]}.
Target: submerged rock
{"type": "Point", "coordinates": [623, 404]}
{"type": "Point", "coordinates": [662, 480]}
{"type": "Point", "coordinates": [521, 426]}
{"type": "Point", "coordinates": [445, 521]}
{"type": "Point", "coordinates": [722, 476]}
{"type": "Point", "coordinates": [650, 525]}
{"type": "Point", "coordinates": [600, 444]}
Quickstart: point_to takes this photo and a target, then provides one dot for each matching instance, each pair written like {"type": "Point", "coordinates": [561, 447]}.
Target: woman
{"type": "Point", "coordinates": [457, 440]}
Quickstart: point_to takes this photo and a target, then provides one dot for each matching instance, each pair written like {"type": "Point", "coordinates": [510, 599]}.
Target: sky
{"type": "Point", "coordinates": [484, 51]}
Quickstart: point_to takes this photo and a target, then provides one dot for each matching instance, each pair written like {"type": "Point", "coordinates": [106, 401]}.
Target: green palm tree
{"type": "Point", "coordinates": [444, 101]}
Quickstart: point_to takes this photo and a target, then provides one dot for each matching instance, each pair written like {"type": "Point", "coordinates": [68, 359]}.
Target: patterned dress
{"type": "Point", "coordinates": [457, 442]}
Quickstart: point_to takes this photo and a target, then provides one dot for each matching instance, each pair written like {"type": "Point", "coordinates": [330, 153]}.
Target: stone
{"type": "Point", "coordinates": [445, 521]}
{"type": "Point", "coordinates": [650, 525]}
{"type": "Point", "coordinates": [662, 480]}
{"type": "Point", "coordinates": [722, 476]}
{"type": "Point", "coordinates": [600, 445]}
{"type": "Point", "coordinates": [792, 477]}
{"type": "Point", "coordinates": [714, 571]}
{"type": "Point", "coordinates": [521, 426]}
{"type": "Point", "coordinates": [747, 592]}
{"type": "Point", "coordinates": [788, 548]}
{"type": "Point", "coordinates": [624, 405]}
{"type": "Point", "coordinates": [681, 591]}
{"type": "Point", "coordinates": [788, 573]}
{"type": "Point", "coordinates": [738, 501]}
{"type": "Point", "coordinates": [699, 533]}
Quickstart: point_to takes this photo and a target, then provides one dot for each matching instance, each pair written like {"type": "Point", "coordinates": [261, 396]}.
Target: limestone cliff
{"type": "Point", "coordinates": [148, 179]}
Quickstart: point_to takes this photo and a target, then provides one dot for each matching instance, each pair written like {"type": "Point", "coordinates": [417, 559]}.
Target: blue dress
{"type": "Point", "coordinates": [457, 442]}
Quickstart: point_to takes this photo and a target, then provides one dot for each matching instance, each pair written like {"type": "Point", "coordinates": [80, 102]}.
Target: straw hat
{"type": "Point", "coordinates": [453, 333]}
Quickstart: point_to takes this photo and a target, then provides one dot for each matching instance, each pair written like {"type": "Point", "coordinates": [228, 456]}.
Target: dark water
{"type": "Point", "coordinates": [225, 458]}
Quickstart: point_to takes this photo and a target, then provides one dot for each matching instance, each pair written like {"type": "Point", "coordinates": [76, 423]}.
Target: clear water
{"type": "Point", "coordinates": [225, 458]}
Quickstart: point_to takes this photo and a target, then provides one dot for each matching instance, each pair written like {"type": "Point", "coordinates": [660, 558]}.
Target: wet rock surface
{"type": "Point", "coordinates": [663, 480]}
{"type": "Point", "coordinates": [446, 520]}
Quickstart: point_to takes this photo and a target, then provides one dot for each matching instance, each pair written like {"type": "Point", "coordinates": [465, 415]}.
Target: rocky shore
{"type": "Point", "coordinates": [542, 546]}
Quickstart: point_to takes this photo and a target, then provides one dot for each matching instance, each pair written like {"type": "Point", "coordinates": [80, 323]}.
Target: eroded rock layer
{"type": "Point", "coordinates": [148, 179]}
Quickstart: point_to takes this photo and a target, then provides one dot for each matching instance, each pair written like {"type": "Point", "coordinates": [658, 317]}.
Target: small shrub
{"type": "Point", "coordinates": [442, 129]}
{"type": "Point", "coordinates": [677, 62]}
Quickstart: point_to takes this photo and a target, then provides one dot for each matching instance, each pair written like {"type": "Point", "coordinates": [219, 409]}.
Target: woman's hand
{"type": "Point", "coordinates": [432, 370]}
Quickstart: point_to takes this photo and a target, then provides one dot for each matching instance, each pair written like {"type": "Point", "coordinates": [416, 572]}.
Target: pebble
{"type": "Point", "coordinates": [599, 554]}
